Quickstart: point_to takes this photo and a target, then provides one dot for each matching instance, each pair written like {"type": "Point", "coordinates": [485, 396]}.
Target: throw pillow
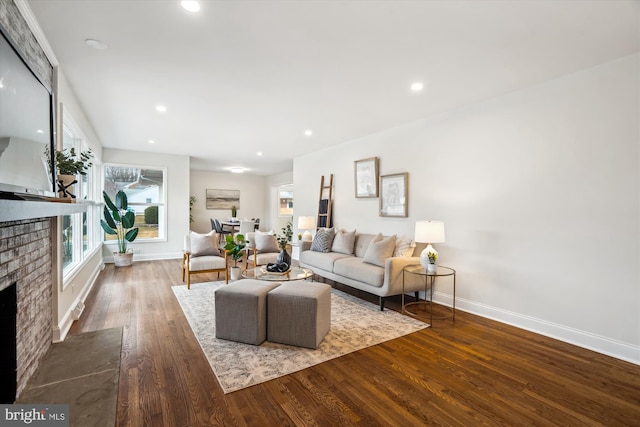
{"type": "Point", "coordinates": [322, 240]}
{"type": "Point", "coordinates": [379, 250]}
{"type": "Point", "coordinates": [404, 246]}
{"type": "Point", "coordinates": [204, 244]}
{"type": "Point", "coordinates": [343, 242]}
{"type": "Point", "coordinates": [266, 243]}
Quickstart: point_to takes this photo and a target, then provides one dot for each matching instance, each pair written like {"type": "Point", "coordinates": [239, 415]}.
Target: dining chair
{"type": "Point", "coordinates": [218, 228]}
{"type": "Point", "coordinates": [246, 226]}
{"type": "Point", "coordinates": [257, 224]}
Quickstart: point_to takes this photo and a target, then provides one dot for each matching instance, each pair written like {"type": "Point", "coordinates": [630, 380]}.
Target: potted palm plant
{"type": "Point", "coordinates": [119, 220]}
{"type": "Point", "coordinates": [235, 247]}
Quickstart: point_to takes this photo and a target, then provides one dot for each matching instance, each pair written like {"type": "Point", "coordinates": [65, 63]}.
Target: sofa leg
{"type": "Point", "coordinates": [417, 294]}
{"type": "Point", "coordinates": [381, 303]}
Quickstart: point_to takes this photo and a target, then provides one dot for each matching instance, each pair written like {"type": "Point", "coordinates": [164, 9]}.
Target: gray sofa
{"type": "Point", "coordinates": [351, 270]}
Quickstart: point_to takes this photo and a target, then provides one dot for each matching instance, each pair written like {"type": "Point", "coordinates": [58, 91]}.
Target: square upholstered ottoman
{"type": "Point", "coordinates": [241, 311]}
{"type": "Point", "coordinates": [299, 313]}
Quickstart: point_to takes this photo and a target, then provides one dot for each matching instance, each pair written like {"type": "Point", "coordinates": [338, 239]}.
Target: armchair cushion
{"type": "Point", "coordinates": [266, 243]}
{"type": "Point", "coordinates": [207, 262]}
{"type": "Point", "coordinates": [204, 244]}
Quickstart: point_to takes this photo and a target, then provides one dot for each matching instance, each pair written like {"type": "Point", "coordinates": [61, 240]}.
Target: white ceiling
{"type": "Point", "coordinates": [246, 76]}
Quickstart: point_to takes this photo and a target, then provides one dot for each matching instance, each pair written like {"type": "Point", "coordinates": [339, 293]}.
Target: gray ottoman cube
{"type": "Point", "coordinates": [241, 311]}
{"type": "Point", "coordinates": [299, 313]}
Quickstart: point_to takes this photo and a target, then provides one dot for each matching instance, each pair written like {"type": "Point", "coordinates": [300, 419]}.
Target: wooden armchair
{"type": "Point", "coordinates": [203, 255]}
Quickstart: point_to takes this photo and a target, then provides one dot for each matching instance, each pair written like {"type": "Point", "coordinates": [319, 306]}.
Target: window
{"type": "Point", "coordinates": [80, 235]}
{"type": "Point", "coordinates": [285, 200]}
{"type": "Point", "coordinates": [145, 189]}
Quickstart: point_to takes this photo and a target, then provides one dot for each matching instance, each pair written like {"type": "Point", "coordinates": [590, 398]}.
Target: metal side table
{"type": "Point", "coordinates": [429, 282]}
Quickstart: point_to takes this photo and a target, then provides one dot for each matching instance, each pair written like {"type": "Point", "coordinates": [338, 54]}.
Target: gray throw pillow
{"type": "Point", "coordinates": [343, 242]}
{"type": "Point", "coordinates": [266, 243]}
{"type": "Point", "coordinates": [322, 240]}
{"type": "Point", "coordinates": [204, 244]}
{"type": "Point", "coordinates": [379, 250]}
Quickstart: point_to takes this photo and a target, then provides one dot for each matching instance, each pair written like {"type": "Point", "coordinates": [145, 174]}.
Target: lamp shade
{"type": "Point", "coordinates": [429, 232]}
{"type": "Point", "coordinates": [306, 223]}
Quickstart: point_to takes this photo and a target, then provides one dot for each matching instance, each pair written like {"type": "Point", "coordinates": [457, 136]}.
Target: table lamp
{"type": "Point", "coordinates": [429, 232]}
{"type": "Point", "coordinates": [306, 223]}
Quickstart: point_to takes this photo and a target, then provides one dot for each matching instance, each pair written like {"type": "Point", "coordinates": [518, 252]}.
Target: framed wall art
{"type": "Point", "coordinates": [223, 199]}
{"type": "Point", "coordinates": [394, 195]}
{"type": "Point", "coordinates": [366, 177]}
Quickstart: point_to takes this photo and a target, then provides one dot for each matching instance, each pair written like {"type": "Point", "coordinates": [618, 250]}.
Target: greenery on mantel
{"type": "Point", "coordinates": [70, 163]}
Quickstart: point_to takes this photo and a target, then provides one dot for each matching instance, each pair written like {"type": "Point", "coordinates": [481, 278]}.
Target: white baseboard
{"type": "Point", "coordinates": [610, 347]}
{"type": "Point", "coordinates": [148, 257]}
{"type": "Point", "coordinates": [61, 330]}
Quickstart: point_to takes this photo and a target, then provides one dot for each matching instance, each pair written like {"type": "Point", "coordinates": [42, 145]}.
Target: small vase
{"type": "Point", "coordinates": [432, 268]}
{"type": "Point", "coordinates": [284, 256]}
{"type": "Point", "coordinates": [65, 186]}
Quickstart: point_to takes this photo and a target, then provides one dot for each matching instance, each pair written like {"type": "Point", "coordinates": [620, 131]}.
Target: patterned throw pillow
{"type": "Point", "coordinates": [343, 242]}
{"type": "Point", "coordinates": [204, 244]}
{"type": "Point", "coordinates": [379, 250]}
{"type": "Point", "coordinates": [322, 240]}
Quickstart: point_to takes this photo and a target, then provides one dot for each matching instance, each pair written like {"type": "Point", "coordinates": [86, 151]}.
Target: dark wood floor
{"type": "Point", "coordinates": [471, 372]}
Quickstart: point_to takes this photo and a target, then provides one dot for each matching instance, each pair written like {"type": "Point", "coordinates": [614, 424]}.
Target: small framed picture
{"type": "Point", "coordinates": [366, 177]}
{"type": "Point", "coordinates": [394, 195]}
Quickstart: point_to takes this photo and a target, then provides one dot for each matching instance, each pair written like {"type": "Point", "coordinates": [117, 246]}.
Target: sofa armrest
{"type": "Point", "coordinates": [393, 275]}
{"type": "Point", "coordinates": [305, 245]}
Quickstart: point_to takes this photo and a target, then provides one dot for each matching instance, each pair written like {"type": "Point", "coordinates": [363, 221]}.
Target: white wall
{"type": "Point", "coordinates": [539, 192]}
{"type": "Point", "coordinates": [252, 197]}
{"type": "Point", "coordinates": [177, 202]}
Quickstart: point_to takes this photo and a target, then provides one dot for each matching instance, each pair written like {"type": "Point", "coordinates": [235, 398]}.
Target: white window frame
{"type": "Point", "coordinates": [162, 213]}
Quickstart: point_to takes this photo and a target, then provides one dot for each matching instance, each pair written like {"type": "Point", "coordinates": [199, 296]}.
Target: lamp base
{"type": "Point", "coordinates": [424, 258]}
{"type": "Point", "coordinates": [306, 236]}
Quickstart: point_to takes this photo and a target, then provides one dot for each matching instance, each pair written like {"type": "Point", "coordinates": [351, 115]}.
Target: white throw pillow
{"type": "Point", "coordinates": [266, 243]}
{"type": "Point", "coordinates": [404, 246]}
{"type": "Point", "coordinates": [379, 250]}
{"type": "Point", "coordinates": [343, 241]}
{"type": "Point", "coordinates": [204, 244]}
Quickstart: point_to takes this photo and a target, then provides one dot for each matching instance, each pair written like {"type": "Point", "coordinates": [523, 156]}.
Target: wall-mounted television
{"type": "Point", "coordinates": [26, 128]}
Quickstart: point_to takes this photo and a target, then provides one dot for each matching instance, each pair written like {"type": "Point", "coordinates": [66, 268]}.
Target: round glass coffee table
{"type": "Point", "coordinates": [261, 273]}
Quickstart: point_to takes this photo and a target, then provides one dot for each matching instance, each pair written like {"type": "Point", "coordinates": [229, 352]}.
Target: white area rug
{"type": "Point", "coordinates": [355, 324]}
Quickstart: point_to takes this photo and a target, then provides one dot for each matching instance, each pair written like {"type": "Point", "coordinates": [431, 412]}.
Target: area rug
{"type": "Point", "coordinates": [355, 324]}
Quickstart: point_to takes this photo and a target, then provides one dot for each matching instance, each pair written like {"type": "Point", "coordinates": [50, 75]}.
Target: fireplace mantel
{"type": "Point", "coordinates": [15, 210]}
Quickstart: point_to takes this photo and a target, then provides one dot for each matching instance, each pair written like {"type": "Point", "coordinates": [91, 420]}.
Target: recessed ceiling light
{"type": "Point", "coordinates": [191, 6]}
{"type": "Point", "coordinates": [40, 131]}
{"type": "Point", "coordinates": [417, 86]}
{"type": "Point", "coordinates": [96, 44]}
{"type": "Point", "coordinates": [151, 141]}
{"type": "Point", "coordinates": [161, 108]}
{"type": "Point", "coordinates": [237, 170]}
{"type": "Point", "coordinates": [308, 132]}
{"type": "Point", "coordinates": [259, 153]}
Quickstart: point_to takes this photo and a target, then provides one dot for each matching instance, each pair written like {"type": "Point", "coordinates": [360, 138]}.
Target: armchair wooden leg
{"type": "Point", "coordinates": [188, 280]}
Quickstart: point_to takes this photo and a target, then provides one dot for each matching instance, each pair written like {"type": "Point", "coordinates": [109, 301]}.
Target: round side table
{"type": "Point", "coordinates": [429, 282]}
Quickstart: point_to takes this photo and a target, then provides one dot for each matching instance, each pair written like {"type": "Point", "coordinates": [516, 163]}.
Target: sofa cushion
{"type": "Point", "coordinates": [379, 250]}
{"type": "Point", "coordinates": [343, 242]}
{"type": "Point", "coordinates": [355, 269]}
{"type": "Point", "coordinates": [266, 243]}
{"type": "Point", "coordinates": [361, 244]}
{"type": "Point", "coordinates": [321, 260]}
{"type": "Point", "coordinates": [322, 240]}
{"type": "Point", "coordinates": [204, 244]}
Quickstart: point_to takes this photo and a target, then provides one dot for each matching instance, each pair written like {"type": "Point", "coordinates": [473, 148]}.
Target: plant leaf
{"type": "Point", "coordinates": [108, 201]}
{"type": "Point", "coordinates": [131, 234]}
{"type": "Point", "coordinates": [128, 219]}
{"type": "Point", "coordinates": [109, 218]}
{"type": "Point", "coordinates": [107, 229]}
{"type": "Point", "coordinates": [121, 200]}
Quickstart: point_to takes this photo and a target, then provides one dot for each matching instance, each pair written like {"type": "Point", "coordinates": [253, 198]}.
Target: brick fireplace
{"type": "Point", "coordinates": [26, 261]}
